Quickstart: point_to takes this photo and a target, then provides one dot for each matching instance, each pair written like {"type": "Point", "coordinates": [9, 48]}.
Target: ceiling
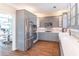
{"type": "Point", "coordinates": [42, 9]}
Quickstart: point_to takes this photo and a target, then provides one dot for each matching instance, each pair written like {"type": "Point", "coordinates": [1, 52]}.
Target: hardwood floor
{"type": "Point", "coordinates": [41, 48]}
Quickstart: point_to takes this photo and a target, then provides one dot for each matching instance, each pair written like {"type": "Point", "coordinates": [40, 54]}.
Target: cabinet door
{"type": "Point", "coordinates": [78, 7]}
{"type": "Point", "coordinates": [72, 4]}
{"type": "Point", "coordinates": [78, 14]}
{"type": "Point", "coordinates": [73, 21]}
{"type": "Point", "coordinates": [78, 19]}
{"type": "Point", "coordinates": [73, 11]}
{"type": "Point", "coordinates": [60, 21]}
{"type": "Point", "coordinates": [33, 19]}
{"type": "Point", "coordinates": [65, 20]}
{"type": "Point", "coordinates": [73, 15]}
{"type": "Point", "coordinates": [48, 36]}
{"type": "Point", "coordinates": [69, 19]}
{"type": "Point", "coordinates": [20, 30]}
{"type": "Point", "coordinates": [42, 35]}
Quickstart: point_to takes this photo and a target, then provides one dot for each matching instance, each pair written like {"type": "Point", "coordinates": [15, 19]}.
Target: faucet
{"type": "Point", "coordinates": [69, 32]}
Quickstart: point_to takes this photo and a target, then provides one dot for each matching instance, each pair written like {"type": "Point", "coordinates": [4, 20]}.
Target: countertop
{"type": "Point", "coordinates": [52, 30]}
{"type": "Point", "coordinates": [70, 44]}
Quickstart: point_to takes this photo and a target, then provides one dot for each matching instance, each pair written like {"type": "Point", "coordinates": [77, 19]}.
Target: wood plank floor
{"type": "Point", "coordinates": [41, 48]}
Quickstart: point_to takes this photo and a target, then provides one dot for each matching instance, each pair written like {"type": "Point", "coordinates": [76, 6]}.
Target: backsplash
{"type": "Point", "coordinates": [75, 33]}
{"type": "Point", "coordinates": [49, 21]}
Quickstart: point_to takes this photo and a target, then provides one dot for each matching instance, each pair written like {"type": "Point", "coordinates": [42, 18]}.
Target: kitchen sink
{"type": "Point", "coordinates": [47, 31]}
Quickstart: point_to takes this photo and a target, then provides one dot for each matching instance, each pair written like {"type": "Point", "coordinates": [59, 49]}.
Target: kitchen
{"type": "Point", "coordinates": [49, 29]}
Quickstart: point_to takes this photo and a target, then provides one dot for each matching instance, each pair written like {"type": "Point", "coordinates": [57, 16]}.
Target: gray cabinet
{"type": "Point", "coordinates": [20, 19]}
{"type": "Point", "coordinates": [23, 18]}
{"type": "Point", "coordinates": [48, 36]}
{"type": "Point", "coordinates": [50, 19]}
{"type": "Point", "coordinates": [31, 17]}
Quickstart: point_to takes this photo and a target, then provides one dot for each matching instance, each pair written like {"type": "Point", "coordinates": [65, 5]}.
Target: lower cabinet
{"type": "Point", "coordinates": [48, 36]}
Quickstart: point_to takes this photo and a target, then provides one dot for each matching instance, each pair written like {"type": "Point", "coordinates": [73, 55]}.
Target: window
{"type": "Point", "coordinates": [6, 24]}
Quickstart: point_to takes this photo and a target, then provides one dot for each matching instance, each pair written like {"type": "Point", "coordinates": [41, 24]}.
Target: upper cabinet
{"type": "Point", "coordinates": [69, 19]}
{"type": "Point", "coordinates": [78, 8]}
{"type": "Point", "coordinates": [73, 14]}
{"type": "Point", "coordinates": [72, 4]}
{"type": "Point", "coordinates": [32, 18]}
{"type": "Point", "coordinates": [78, 14]}
{"type": "Point", "coordinates": [68, 16]}
{"type": "Point", "coordinates": [49, 22]}
{"type": "Point", "coordinates": [73, 9]}
{"type": "Point", "coordinates": [60, 21]}
{"type": "Point", "coordinates": [65, 20]}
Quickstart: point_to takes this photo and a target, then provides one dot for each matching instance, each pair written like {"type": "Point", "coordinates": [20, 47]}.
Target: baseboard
{"type": "Point", "coordinates": [49, 40]}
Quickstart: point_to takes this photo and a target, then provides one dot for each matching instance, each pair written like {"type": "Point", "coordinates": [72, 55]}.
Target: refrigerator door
{"type": "Point", "coordinates": [28, 33]}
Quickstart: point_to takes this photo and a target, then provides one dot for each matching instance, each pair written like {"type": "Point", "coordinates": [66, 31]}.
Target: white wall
{"type": "Point", "coordinates": [6, 9]}
{"type": "Point", "coordinates": [9, 10]}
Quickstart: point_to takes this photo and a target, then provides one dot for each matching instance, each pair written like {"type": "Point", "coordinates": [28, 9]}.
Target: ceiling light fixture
{"type": "Point", "coordinates": [54, 6]}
